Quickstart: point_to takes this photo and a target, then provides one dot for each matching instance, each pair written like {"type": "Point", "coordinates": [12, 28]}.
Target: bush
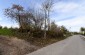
{"type": "Point", "coordinates": [38, 34]}
{"type": "Point", "coordinates": [53, 34]}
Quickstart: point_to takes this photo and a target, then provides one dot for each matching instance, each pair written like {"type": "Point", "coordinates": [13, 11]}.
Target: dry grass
{"type": "Point", "coordinates": [15, 46]}
{"type": "Point", "coordinates": [41, 42]}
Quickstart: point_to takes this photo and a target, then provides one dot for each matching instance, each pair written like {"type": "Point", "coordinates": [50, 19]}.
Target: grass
{"type": "Point", "coordinates": [7, 32]}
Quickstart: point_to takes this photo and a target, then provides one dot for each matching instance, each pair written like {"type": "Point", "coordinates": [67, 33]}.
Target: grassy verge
{"type": "Point", "coordinates": [40, 42]}
{"type": "Point", "coordinates": [33, 40]}
{"type": "Point", "coordinates": [7, 32]}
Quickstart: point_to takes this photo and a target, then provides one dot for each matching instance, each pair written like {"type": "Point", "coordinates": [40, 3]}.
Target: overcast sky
{"type": "Point", "coordinates": [70, 13]}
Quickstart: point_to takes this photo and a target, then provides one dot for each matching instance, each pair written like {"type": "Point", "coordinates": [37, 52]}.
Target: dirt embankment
{"type": "Point", "coordinates": [15, 46]}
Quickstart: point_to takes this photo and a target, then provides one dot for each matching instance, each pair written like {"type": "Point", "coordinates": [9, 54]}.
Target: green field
{"type": "Point", "coordinates": [6, 32]}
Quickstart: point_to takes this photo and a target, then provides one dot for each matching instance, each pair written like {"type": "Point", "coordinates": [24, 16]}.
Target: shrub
{"type": "Point", "coordinates": [38, 33]}
{"type": "Point", "coordinates": [53, 34]}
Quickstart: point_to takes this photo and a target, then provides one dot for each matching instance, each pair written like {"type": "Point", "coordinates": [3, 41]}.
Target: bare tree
{"type": "Point", "coordinates": [14, 13]}
{"type": "Point", "coordinates": [47, 6]}
{"type": "Point", "coordinates": [38, 20]}
{"type": "Point", "coordinates": [23, 17]}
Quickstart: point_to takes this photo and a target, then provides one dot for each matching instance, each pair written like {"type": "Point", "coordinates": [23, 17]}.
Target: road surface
{"type": "Point", "coordinates": [74, 45]}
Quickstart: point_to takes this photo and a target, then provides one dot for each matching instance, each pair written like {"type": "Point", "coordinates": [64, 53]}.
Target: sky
{"type": "Point", "coordinates": [69, 13]}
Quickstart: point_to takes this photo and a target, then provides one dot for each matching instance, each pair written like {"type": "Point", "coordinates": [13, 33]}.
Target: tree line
{"type": "Point", "coordinates": [36, 22]}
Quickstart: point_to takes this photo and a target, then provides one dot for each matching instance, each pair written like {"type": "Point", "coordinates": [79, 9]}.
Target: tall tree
{"type": "Point", "coordinates": [38, 19]}
{"type": "Point", "coordinates": [14, 13]}
{"type": "Point", "coordinates": [17, 12]}
{"type": "Point", "coordinates": [47, 6]}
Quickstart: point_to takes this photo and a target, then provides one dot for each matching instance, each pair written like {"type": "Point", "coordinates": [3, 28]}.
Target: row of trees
{"type": "Point", "coordinates": [36, 21]}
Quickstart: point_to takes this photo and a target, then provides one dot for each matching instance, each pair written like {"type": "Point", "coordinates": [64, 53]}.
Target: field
{"type": "Point", "coordinates": [7, 32]}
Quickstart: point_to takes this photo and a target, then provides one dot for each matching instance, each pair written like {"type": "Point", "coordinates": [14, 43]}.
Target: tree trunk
{"type": "Point", "coordinates": [45, 25]}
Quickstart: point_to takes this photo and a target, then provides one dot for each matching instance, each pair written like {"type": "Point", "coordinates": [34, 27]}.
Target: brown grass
{"type": "Point", "coordinates": [15, 46]}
